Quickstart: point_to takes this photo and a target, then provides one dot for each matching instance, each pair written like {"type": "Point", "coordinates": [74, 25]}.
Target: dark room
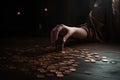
{"type": "Point", "coordinates": [60, 40]}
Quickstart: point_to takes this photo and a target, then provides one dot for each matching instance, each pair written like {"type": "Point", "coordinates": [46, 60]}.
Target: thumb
{"type": "Point", "coordinates": [66, 37]}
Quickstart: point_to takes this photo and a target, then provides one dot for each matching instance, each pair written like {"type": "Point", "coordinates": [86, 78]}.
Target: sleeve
{"type": "Point", "coordinates": [95, 22]}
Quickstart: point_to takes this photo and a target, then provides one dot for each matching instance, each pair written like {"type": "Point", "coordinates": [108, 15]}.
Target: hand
{"type": "Point", "coordinates": [62, 30]}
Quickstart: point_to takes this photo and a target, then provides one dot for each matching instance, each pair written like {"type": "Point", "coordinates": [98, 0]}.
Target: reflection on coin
{"type": "Point", "coordinates": [104, 57]}
{"type": "Point", "coordinates": [93, 60]}
{"type": "Point", "coordinates": [72, 69]}
{"type": "Point", "coordinates": [96, 53]}
{"type": "Point", "coordinates": [63, 52]}
{"type": "Point", "coordinates": [97, 56]}
{"type": "Point", "coordinates": [75, 65]}
{"type": "Point", "coordinates": [105, 60]}
{"type": "Point", "coordinates": [53, 70]}
{"type": "Point", "coordinates": [87, 60]}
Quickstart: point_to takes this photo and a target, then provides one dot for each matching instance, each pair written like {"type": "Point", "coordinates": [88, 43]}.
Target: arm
{"type": "Point", "coordinates": [66, 31]}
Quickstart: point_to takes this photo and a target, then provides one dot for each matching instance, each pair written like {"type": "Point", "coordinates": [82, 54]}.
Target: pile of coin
{"type": "Point", "coordinates": [55, 64]}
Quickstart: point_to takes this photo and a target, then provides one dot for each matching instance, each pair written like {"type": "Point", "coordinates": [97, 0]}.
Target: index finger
{"type": "Point", "coordinates": [55, 33]}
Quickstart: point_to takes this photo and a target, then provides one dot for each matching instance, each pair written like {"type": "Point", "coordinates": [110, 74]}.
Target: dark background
{"type": "Point", "coordinates": [33, 20]}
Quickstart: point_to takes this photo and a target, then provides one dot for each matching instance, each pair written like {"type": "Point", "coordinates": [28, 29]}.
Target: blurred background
{"type": "Point", "coordinates": [38, 17]}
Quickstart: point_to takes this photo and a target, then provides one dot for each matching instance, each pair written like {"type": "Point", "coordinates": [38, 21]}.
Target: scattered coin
{"type": "Point", "coordinates": [95, 53]}
{"type": "Point", "coordinates": [60, 75]}
{"type": "Point", "coordinates": [75, 65]}
{"type": "Point", "coordinates": [93, 60]}
{"type": "Point", "coordinates": [72, 69]}
{"type": "Point", "coordinates": [87, 60]}
{"type": "Point", "coordinates": [49, 74]}
{"type": "Point", "coordinates": [40, 76]}
{"type": "Point", "coordinates": [105, 60]}
{"type": "Point", "coordinates": [67, 72]}
{"type": "Point", "coordinates": [113, 62]}
{"type": "Point", "coordinates": [56, 63]}
{"type": "Point", "coordinates": [97, 56]}
{"type": "Point", "coordinates": [104, 57]}
{"type": "Point", "coordinates": [53, 70]}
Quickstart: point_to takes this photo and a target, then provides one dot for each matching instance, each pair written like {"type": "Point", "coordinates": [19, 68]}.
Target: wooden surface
{"type": "Point", "coordinates": [85, 71]}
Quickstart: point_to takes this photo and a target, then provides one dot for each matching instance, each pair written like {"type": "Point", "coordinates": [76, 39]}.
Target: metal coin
{"type": "Point", "coordinates": [40, 76]}
{"type": "Point", "coordinates": [72, 69]}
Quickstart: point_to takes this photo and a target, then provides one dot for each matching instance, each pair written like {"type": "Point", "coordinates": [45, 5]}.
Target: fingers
{"type": "Point", "coordinates": [55, 33]}
{"type": "Point", "coordinates": [66, 36]}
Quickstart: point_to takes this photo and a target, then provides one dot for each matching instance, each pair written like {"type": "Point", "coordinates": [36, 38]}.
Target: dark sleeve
{"type": "Point", "coordinates": [95, 22]}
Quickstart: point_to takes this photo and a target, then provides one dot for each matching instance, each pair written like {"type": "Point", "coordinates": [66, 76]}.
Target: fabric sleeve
{"type": "Point", "coordinates": [95, 22]}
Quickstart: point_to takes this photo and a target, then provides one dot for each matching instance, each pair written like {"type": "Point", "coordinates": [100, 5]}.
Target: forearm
{"type": "Point", "coordinates": [79, 33]}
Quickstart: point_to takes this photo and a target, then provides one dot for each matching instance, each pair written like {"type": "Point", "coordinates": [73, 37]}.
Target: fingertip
{"type": "Point", "coordinates": [64, 40]}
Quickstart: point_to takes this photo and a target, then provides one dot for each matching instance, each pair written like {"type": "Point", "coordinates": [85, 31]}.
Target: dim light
{"type": "Point", "coordinates": [45, 9]}
{"type": "Point", "coordinates": [18, 13]}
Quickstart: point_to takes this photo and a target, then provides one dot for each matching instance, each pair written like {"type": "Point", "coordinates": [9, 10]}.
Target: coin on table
{"type": "Point", "coordinates": [65, 67]}
{"type": "Point", "coordinates": [49, 74]}
{"type": "Point", "coordinates": [61, 69]}
{"type": "Point", "coordinates": [63, 52]}
{"type": "Point", "coordinates": [60, 75]}
{"type": "Point", "coordinates": [104, 57]}
{"type": "Point", "coordinates": [82, 56]}
{"type": "Point", "coordinates": [97, 56]}
{"type": "Point", "coordinates": [93, 60]}
{"type": "Point", "coordinates": [95, 53]}
{"type": "Point", "coordinates": [76, 51]}
{"type": "Point", "coordinates": [104, 60]}
{"type": "Point", "coordinates": [53, 70]}
{"type": "Point", "coordinates": [67, 72]}
{"type": "Point", "coordinates": [72, 60]}
{"type": "Point", "coordinates": [40, 76]}
{"type": "Point", "coordinates": [72, 69]}
{"type": "Point", "coordinates": [98, 59]}
{"type": "Point", "coordinates": [75, 65]}
{"type": "Point", "coordinates": [113, 62]}
{"type": "Point", "coordinates": [87, 60]}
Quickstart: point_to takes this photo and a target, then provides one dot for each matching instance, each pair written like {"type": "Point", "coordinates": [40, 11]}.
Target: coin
{"type": "Point", "coordinates": [61, 69]}
{"type": "Point", "coordinates": [87, 60]}
{"type": "Point", "coordinates": [62, 52]}
{"type": "Point", "coordinates": [72, 60]}
{"type": "Point", "coordinates": [113, 62]}
{"type": "Point", "coordinates": [50, 74]}
{"type": "Point", "coordinates": [67, 72]}
{"type": "Point", "coordinates": [60, 75]}
{"type": "Point", "coordinates": [40, 76]}
{"type": "Point", "coordinates": [104, 57]}
{"type": "Point", "coordinates": [96, 53]}
{"type": "Point", "coordinates": [97, 56]}
{"type": "Point", "coordinates": [75, 65]}
{"type": "Point", "coordinates": [72, 69]}
{"type": "Point", "coordinates": [104, 60]}
{"type": "Point", "coordinates": [53, 70]}
{"type": "Point", "coordinates": [93, 60]}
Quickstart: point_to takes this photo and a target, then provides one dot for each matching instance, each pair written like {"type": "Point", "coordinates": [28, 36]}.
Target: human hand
{"type": "Point", "coordinates": [63, 30]}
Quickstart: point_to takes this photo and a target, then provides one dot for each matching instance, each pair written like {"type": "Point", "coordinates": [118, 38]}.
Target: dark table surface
{"type": "Point", "coordinates": [32, 47]}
